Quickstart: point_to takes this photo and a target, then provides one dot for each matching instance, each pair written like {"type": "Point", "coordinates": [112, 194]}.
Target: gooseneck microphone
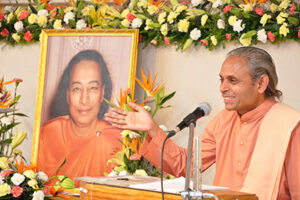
{"type": "Point", "coordinates": [202, 110]}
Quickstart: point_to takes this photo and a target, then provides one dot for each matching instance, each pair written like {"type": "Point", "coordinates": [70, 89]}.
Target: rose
{"type": "Point", "coordinates": [271, 36]}
{"type": "Point", "coordinates": [167, 40]}
{"type": "Point", "coordinates": [228, 36]}
{"type": "Point", "coordinates": [195, 34]}
{"type": "Point", "coordinates": [17, 178]}
{"type": "Point", "coordinates": [259, 11]}
{"type": "Point", "coordinates": [153, 42]}
{"type": "Point", "coordinates": [292, 9]}
{"type": "Point", "coordinates": [5, 173]}
{"type": "Point", "coordinates": [16, 191]}
{"type": "Point", "coordinates": [227, 9]}
{"type": "Point", "coordinates": [4, 189]}
{"type": "Point", "coordinates": [28, 36]}
{"type": "Point", "coordinates": [130, 17]}
{"type": "Point", "coordinates": [299, 33]}
{"type": "Point", "coordinates": [4, 32]}
{"type": "Point", "coordinates": [23, 15]}
{"type": "Point", "coordinates": [50, 7]}
{"type": "Point", "coordinates": [38, 195]}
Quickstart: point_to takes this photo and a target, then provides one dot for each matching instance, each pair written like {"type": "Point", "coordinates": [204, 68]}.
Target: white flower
{"type": "Point", "coordinates": [217, 3]}
{"type": "Point", "coordinates": [163, 127]}
{"type": "Point", "coordinates": [262, 36]}
{"type": "Point", "coordinates": [19, 26]}
{"type": "Point", "coordinates": [80, 24]}
{"type": "Point", "coordinates": [68, 16]}
{"type": "Point", "coordinates": [196, 2]}
{"type": "Point", "coordinates": [6, 120]}
{"type": "Point", "coordinates": [113, 173]}
{"type": "Point", "coordinates": [42, 176]}
{"type": "Point", "coordinates": [43, 12]}
{"type": "Point", "coordinates": [38, 195]}
{"type": "Point", "coordinates": [195, 34]}
{"type": "Point", "coordinates": [17, 178]}
{"type": "Point", "coordinates": [221, 24]}
{"type": "Point", "coordinates": [30, 174]}
{"type": "Point", "coordinates": [9, 9]}
{"type": "Point", "coordinates": [123, 173]}
{"type": "Point", "coordinates": [1, 180]}
{"type": "Point", "coordinates": [125, 23]}
{"type": "Point", "coordinates": [238, 26]}
{"type": "Point", "coordinates": [136, 23]}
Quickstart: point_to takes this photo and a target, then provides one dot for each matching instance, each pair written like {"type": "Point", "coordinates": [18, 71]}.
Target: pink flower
{"type": "Point", "coordinates": [227, 9]}
{"type": "Point", "coordinates": [259, 11]}
{"type": "Point", "coordinates": [46, 190]}
{"type": "Point", "coordinates": [17, 80]}
{"type": "Point", "coordinates": [16, 191]}
{"type": "Point", "coordinates": [153, 42]}
{"type": "Point", "coordinates": [167, 40]}
{"type": "Point", "coordinates": [204, 42]}
{"type": "Point", "coordinates": [185, 2]}
{"type": "Point", "coordinates": [4, 32]}
{"type": "Point", "coordinates": [49, 7]}
{"type": "Point", "coordinates": [5, 173]}
{"type": "Point", "coordinates": [292, 8]}
{"type": "Point", "coordinates": [135, 157]}
{"type": "Point", "coordinates": [1, 16]}
{"type": "Point", "coordinates": [28, 36]}
{"type": "Point", "coordinates": [228, 36]}
{"type": "Point", "coordinates": [23, 15]}
{"type": "Point", "coordinates": [88, 27]}
{"type": "Point", "coordinates": [130, 17]}
{"type": "Point", "coordinates": [271, 36]}
{"type": "Point", "coordinates": [53, 15]}
{"type": "Point", "coordinates": [299, 33]}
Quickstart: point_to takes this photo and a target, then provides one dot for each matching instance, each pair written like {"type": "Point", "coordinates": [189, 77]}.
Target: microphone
{"type": "Point", "coordinates": [202, 110]}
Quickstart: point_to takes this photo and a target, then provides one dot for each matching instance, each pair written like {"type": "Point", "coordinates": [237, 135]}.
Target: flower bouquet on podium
{"type": "Point", "coordinates": [129, 160]}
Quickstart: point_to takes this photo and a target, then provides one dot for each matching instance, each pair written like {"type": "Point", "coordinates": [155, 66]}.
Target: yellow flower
{"type": "Point", "coordinates": [152, 9]}
{"type": "Point", "coordinates": [232, 19]}
{"type": "Point", "coordinates": [273, 7]}
{"type": "Point", "coordinates": [247, 7]}
{"type": "Point", "coordinates": [125, 12]}
{"type": "Point", "coordinates": [284, 4]}
{"type": "Point", "coordinates": [19, 136]}
{"type": "Point", "coordinates": [284, 30]}
{"type": "Point", "coordinates": [4, 163]}
{"type": "Point", "coordinates": [87, 10]}
{"type": "Point", "coordinates": [33, 183]}
{"type": "Point", "coordinates": [57, 24]}
{"type": "Point", "coordinates": [162, 17]}
{"type": "Point", "coordinates": [281, 18]}
{"type": "Point", "coordinates": [140, 172]}
{"type": "Point", "coordinates": [183, 25]}
{"type": "Point", "coordinates": [245, 42]}
{"type": "Point", "coordinates": [32, 18]}
{"type": "Point", "coordinates": [164, 29]}
{"type": "Point", "coordinates": [69, 9]}
{"type": "Point", "coordinates": [214, 40]}
{"type": "Point", "coordinates": [264, 19]}
{"type": "Point", "coordinates": [18, 11]}
{"type": "Point", "coordinates": [9, 17]}
{"type": "Point", "coordinates": [125, 23]}
{"type": "Point", "coordinates": [124, 133]}
{"type": "Point", "coordinates": [30, 174]}
{"type": "Point", "coordinates": [204, 19]}
{"type": "Point", "coordinates": [181, 8]}
{"type": "Point", "coordinates": [143, 4]}
{"type": "Point", "coordinates": [172, 16]}
{"type": "Point", "coordinates": [4, 189]}
{"type": "Point", "coordinates": [16, 37]}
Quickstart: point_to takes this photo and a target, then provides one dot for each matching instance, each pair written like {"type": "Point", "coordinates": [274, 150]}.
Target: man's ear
{"type": "Point", "coordinates": [263, 83]}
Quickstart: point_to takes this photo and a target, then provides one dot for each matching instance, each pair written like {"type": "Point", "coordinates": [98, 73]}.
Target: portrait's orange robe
{"type": "Point", "coordinates": [229, 141]}
{"type": "Point", "coordinates": [85, 156]}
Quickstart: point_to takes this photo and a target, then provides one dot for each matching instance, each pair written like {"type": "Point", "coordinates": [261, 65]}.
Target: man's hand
{"type": "Point", "coordinates": [141, 120]}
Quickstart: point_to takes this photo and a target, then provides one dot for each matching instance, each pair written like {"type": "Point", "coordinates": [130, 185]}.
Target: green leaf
{"type": "Point", "coordinates": [79, 7]}
{"type": "Point", "coordinates": [249, 34]}
{"type": "Point", "coordinates": [62, 164]}
{"type": "Point", "coordinates": [187, 44]}
{"type": "Point", "coordinates": [293, 20]}
{"type": "Point", "coordinates": [42, 6]}
{"type": "Point", "coordinates": [235, 12]}
{"type": "Point", "coordinates": [33, 9]}
{"type": "Point", "coordinates": [166, 98]}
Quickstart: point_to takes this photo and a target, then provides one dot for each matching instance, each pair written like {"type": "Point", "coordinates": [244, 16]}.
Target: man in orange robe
{"type": "Point", "coordinates": [233, 137]}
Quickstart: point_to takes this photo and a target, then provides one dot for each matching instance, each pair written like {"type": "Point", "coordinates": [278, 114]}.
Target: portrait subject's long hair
{"type": "Point", "coordinates": [59, 105]}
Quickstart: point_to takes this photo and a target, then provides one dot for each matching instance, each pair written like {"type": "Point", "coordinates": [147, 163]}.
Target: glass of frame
{"type": "Point", "coordinates": [62, 51]}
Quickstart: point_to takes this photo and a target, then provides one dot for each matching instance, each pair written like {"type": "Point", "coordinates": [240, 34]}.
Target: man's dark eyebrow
{"type": "Point", "coordinates": [95, 81]}
{"type": "Point", "coordinates": [78, 82]}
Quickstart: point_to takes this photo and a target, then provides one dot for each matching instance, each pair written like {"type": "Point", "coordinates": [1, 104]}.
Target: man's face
{"type": "Point", "coordinates": [86, 93]}
{"type": "Point", "coordinates": [236, 86]}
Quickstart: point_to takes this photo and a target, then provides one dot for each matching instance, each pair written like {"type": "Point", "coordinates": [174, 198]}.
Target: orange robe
{"type": "Point", "coordinates": [229, 141]}
{"type": "Point", "coordinates": [85, 156]}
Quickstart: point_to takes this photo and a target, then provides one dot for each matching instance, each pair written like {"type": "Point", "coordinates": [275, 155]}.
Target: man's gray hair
{"type": "Point", "coordinates": [260, 62]}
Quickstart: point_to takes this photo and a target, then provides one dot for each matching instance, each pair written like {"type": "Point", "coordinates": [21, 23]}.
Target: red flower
{"type": "Point", "coordinates": [130, 17]}
{"type": "Point", "coordinates": [1, 16]}
{"type": "Point", "coordinates": [227, 9]}
{"type": "Point", "coordinates": [28, 36]}
{"type": "Point", "coordinates": [49, 7]}
{"type": "Point", "coordinates": [135, 157]}
{"type": "Point", "coordinates": [46, 190]}
{"type": "Point", "coordinates": [259, 11]}
{"type": "Point", "coordinates": [23, 15]}
{"type": "Point", "coordinates": [228, 36]}
{"type": "Point", "coordinates": [292, 8]}
{"type": "Point", "coordinates": [5, 173]}
{"type": "Point", "coordinates": [204, 42]}
{"type": "Point", "coordinates": [16, 191]}
{"type": "Point", "coordinates": [299, 33]}
{"type": "Point", "coordinates": [88, 27]}
{"type": "Point", "coordinates": [271, 36]}
{"type": "Point", "coordinates": [185, 2]}
{"type": "Point", "coordinates": [167, 40]}
{"type": "Point", "coordinates": [5, 32]}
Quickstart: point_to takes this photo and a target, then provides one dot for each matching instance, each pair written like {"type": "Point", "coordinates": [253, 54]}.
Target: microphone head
{"type": "Point", "coordinates": [205, 107]}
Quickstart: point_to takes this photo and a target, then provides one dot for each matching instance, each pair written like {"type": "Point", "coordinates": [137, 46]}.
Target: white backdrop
{"type": "Point", "coordinates": [193, 74]}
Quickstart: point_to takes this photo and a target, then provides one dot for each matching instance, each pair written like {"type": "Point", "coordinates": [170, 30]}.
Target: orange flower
{"type": "Point", "coordinates": [6, 100]}
{"type": "Point", "coordinates": [148, 84]}
{"type": "Point", "coordinates": [21, 167]}
{"type": "Point", "coordinates": [158, 3]}
{"type": "Point", "coordinates": [119, 2]}
{"type": "Point", "coordinates": [255, 1]}
{"type": "Point", "coordinates": [135, 144]}
{"type": "Point", "coordinates": [59, 192]}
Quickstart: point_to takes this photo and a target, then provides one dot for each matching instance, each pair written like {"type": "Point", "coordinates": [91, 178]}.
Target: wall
{"type": "Point", "coordinates": [193, 74]}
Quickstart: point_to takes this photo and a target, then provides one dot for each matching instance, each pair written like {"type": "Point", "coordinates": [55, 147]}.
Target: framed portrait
{"type": "Point", "coordinates": [66, 65]}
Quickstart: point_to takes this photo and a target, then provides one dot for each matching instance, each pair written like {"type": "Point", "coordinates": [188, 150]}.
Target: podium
{"type": "Point", "coordinates": [118, 188]}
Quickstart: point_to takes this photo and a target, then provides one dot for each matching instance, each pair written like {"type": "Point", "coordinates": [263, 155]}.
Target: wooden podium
{"type": "Point", "coordinates": [117, 188]}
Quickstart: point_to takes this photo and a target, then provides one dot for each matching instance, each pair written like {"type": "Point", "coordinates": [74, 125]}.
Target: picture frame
{"type": "Point", "coordinates": [118, 47]}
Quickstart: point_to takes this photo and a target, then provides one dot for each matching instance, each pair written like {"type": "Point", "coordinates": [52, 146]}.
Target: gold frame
{"type": "Point", "coordinates": [132, 33]}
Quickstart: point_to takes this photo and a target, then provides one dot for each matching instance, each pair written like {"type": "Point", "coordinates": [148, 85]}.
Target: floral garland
{"type": "Point", "coordinates": [162, 22]}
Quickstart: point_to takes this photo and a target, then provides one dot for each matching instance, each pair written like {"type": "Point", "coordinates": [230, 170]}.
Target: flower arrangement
{"type": "Point", "coordinates": [129, 160]}
{"type": "Point", "coordinates": [210, 23]}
